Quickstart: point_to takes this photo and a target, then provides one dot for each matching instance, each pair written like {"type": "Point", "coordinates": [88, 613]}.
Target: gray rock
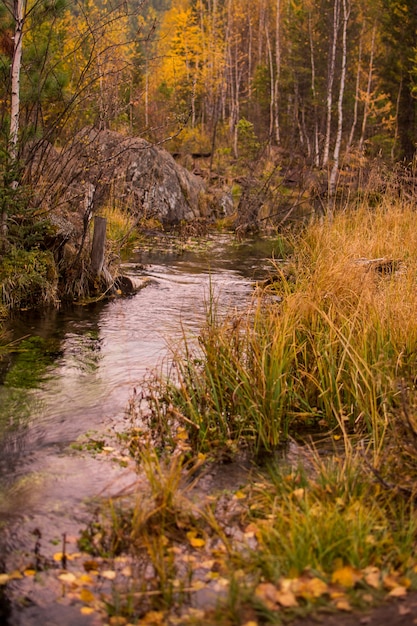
{"type": "Point", "coordinates": [144, 178]}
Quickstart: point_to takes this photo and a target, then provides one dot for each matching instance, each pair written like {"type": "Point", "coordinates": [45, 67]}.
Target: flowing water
{"type": "Point", "coordinates": [73, 374]}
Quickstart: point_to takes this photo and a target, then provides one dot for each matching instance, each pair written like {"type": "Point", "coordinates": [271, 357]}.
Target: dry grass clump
{"type": "Point", "coordinates": [326, 354]}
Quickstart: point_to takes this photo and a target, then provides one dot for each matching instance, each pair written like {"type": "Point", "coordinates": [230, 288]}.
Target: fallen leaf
{"type": "Point", "coordinates": [198, 585]}
{"type": "Point", "coordinates": [86, 610]}
{"type": "Point", "coordinates": [398, 592]}
{"type": "Point", "coordinates": [286, 599]}
{"type": "Point", "coordinates": [298, 493]}
{"type": "Point", "coordinates": [373, 577]}
{"type": "Point", "coordinates": [346, 576]}
{"type": "Point", "coordinates": [109, 574]}
{"type": "Point", "coordinates": [85, 579]}
{"type": "Point", "coordinates": [118, 620]}
{"type": "Point", "coordinates": [267, 593]}
{"type": "Point", "coordinates": [391, 581]}
{"type": "Point", "coordinates": [127, 571]}
{"type": "Point", "coordinates": [240, 495]}
{"type": "Point", "coordinates": [29, 572]}
{"type": "Point", "coordinates": [154, 618]}
{"type": "Point", "coordinates": [67, 577]}
{"type": "Point", "coordinates": [310, 588]}
{"type": "Point", "coordinates": [195, 541]}
{"type": "Point", "coordinates": [4, 578]}
{"type": "Point", "coordinates": [86, 596]}
{"type": "Point", "coordinates": [343, 605]}
{"type": "Point", "coordinates": [91, 565]}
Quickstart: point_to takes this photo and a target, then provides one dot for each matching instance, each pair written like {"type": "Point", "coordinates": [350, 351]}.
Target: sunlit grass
{"type": "Point", "coordinates": [121, 229]}
{"type": "Point", "coordinates": [326, 350]}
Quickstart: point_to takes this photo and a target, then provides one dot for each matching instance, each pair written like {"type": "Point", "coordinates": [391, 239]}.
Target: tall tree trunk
{"type": "Point", "coordinates": [357, 86]}
{"type": "Point", "coordinates": [368, 92]}
{"type": "Point", "coordinates": [330, 81]}
{"type": "Point", "coordinates": [277, 71]}
{"type": "Point", "coordinates": [18, 16]}
{"type": "Point", "coordinates": [316, 153]}
{"type": "Point", "coordinates": [336, 153]}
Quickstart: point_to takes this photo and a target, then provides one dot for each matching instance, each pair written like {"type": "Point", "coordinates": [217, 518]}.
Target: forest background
{"type": "Point", "coordinates": [308, 93]}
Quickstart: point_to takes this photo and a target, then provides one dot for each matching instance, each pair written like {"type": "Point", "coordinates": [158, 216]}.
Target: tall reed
{"type": "Point", "coordinates": [327, 354]}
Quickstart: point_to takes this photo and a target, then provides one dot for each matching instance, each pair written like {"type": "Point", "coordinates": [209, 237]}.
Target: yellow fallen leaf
{"type": "Point", "coordinates": [181, 435]}
{"type": "Point", "coordinates": [15, 575]}
{"type": "Point", "coordinates": [118, 620]}
{"type": "Point", "coordinates": [310, 588]}
{"type": "Point", "coordinates": [109, 574]}
{"type": "Point", "coordinates": [267, 593]}
{"type": "Point", "coordinates": [85, 579]}
{"type": "Point", "coordinates": [343, 605]}
{"type": "Point", "coordinates": [154, 618]}
{"type": "Point", "coordinates": [198, 585]}
{"type": "Point", "coordinates": [251, 623]}
{"type": "Point", "coordinates": [405, 582]}
{"type": "Point", "coordinates": [286, 599]}
{"type": "Point", "coordinates": [4, 578]}
{"type": "Point", "coordinates": [86, 610]}
{"type": "Point", "coordinates": [346, 576]}
{"type": "Point", "coordinates": [398, 592]}
{"type": "Point", "coordinates": [195, 541]}
{"type": "Point", "coordinates": [298, 493]}
{"type": "Point", "coordinates": [67, 577]}
{"type": "Point", "coordinates": [86, 596]}
{"type": "Point", "coordinates": [29, 572]}
{"type": "Point", "coordinates": [108, 449]}
{"type": "Point", "coordinates": [391, 581]}
{"type": "Point", "coordinates": [240, 495]}
{"type": "Point", "coordinates": [373, 577]}
{"type": "Point", "coordinates": [127, 571]}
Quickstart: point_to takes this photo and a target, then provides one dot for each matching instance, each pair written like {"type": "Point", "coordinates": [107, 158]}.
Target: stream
{"type": "Point", "coordinates": [73, 375]}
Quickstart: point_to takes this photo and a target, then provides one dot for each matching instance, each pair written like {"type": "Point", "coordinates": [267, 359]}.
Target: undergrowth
{"type": "Point", "coordinates": [313, 386]}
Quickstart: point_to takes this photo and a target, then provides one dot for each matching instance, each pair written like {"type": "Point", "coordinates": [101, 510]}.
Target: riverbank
{"type": "Point", "coordinates": [275, 456]}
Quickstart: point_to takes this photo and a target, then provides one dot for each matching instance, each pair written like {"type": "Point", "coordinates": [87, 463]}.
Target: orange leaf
{"type": "Point", "coordinates": [346, 576]}
{"type": "Point", "coordinates": [267, 593]}
{"type": "Point", "coordinates": [398, 592]}
{"type": "Point", "coordinates": [86, 596]}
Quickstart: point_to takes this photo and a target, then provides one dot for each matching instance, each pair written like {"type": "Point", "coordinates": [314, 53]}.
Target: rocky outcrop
{"type": "Point", "coordinates": [139, 176]}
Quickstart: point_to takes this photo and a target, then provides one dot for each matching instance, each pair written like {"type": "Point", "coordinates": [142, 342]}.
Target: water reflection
{"type": "Point", "coordinates": [78, 367]}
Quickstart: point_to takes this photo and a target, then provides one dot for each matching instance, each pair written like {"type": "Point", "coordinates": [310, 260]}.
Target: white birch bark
{"type": "Point", "coordinates": [357, 86]}
{"type": "Point", "coordinates": [316, 152]}
{"type": "Point", "coordinates": [18, 16]}
{"type": "Point", "coordinates": [368, 91]}
{"type": "Point", "coordinates": [277, 71]}
{"type": "Point", "coordinates": [336, 153]}
{"type": "Point", "coordinates": [330, 81]}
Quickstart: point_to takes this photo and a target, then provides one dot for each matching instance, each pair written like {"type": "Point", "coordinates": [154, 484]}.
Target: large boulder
{"type": "Point", "coordinates": [141, 177]}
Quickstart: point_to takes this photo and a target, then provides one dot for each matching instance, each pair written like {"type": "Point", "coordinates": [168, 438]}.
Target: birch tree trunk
{"type": "Point", "coordinates": [316, 153]}
{"type": "Point", "coordinates": [336, 153]}
{"type": "Point", "coordinates": [368, 91]}
{"type": "Point", "coordinates": [357, 86]}
{"type": "Point", "coordinates": [330, 81]}
{"type": "Point", "coordinates": [277, 71]}
{"type": "Point", "coordinates": [18, 16]}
